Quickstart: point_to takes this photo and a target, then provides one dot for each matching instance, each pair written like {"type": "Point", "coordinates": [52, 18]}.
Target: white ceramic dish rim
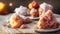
{"type": "Point", "coordinates": [48, 30]}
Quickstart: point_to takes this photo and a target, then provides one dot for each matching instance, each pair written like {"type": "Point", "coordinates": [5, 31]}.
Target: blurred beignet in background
{"type": "Point", "coordinates": [33, 4]}
{"type": "Point", "coordinates": [47, 21]}
{"type": "Point", "coordinates": [3, 8]}
{"type": "Point", "coordinates": [44, 7]}
{"type": "Point", "coordinates": [15, 21]}
{"type": "Point", "coordinates": [34, 13]}
{"type": "Point", "coordinates": [22, 10]}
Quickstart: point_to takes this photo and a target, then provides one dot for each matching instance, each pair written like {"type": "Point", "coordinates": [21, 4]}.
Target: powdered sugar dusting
{"type": "Point", "coordinates": [22, 10]}
{"type": "Point", "coordinates": [45, 6]}
{"type": "Point", "coordinates": [33, 10]}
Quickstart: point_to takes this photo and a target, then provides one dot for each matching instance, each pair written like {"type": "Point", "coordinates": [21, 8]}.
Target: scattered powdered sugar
{"type": "Point", "coordinates": [33, 10]}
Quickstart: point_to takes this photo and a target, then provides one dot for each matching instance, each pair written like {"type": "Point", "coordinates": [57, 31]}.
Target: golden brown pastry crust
{"type": "Point", "coordinates": [33, 4]}
{"type": "Point", "coordinates": [15, 21]}
{"type": "Point", "coordinates": [34, 14]}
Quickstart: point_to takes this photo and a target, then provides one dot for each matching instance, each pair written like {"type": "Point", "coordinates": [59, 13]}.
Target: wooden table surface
{"type": "Point", "coordinates": [6, 30]}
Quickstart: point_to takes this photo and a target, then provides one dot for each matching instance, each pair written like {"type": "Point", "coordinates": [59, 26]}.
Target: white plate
{"type": "Point", "coordinates": [47, 30]}
{"type": "Point", "coordinates": [34, 18]}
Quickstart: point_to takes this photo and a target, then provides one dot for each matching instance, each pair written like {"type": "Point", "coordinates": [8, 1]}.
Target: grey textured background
{"type": "Point", "coordinates": [17, 3]}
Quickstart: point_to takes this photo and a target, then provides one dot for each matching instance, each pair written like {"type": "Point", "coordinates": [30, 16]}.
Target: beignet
{"type": "Point", "coordinates": [34, 13]}
{"type": "Point", "coordinates": [47, 21]}
{"type": "Point", "coordinates": [33, 4]}
{"type": "Point", "coordinates": [15, 21]}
